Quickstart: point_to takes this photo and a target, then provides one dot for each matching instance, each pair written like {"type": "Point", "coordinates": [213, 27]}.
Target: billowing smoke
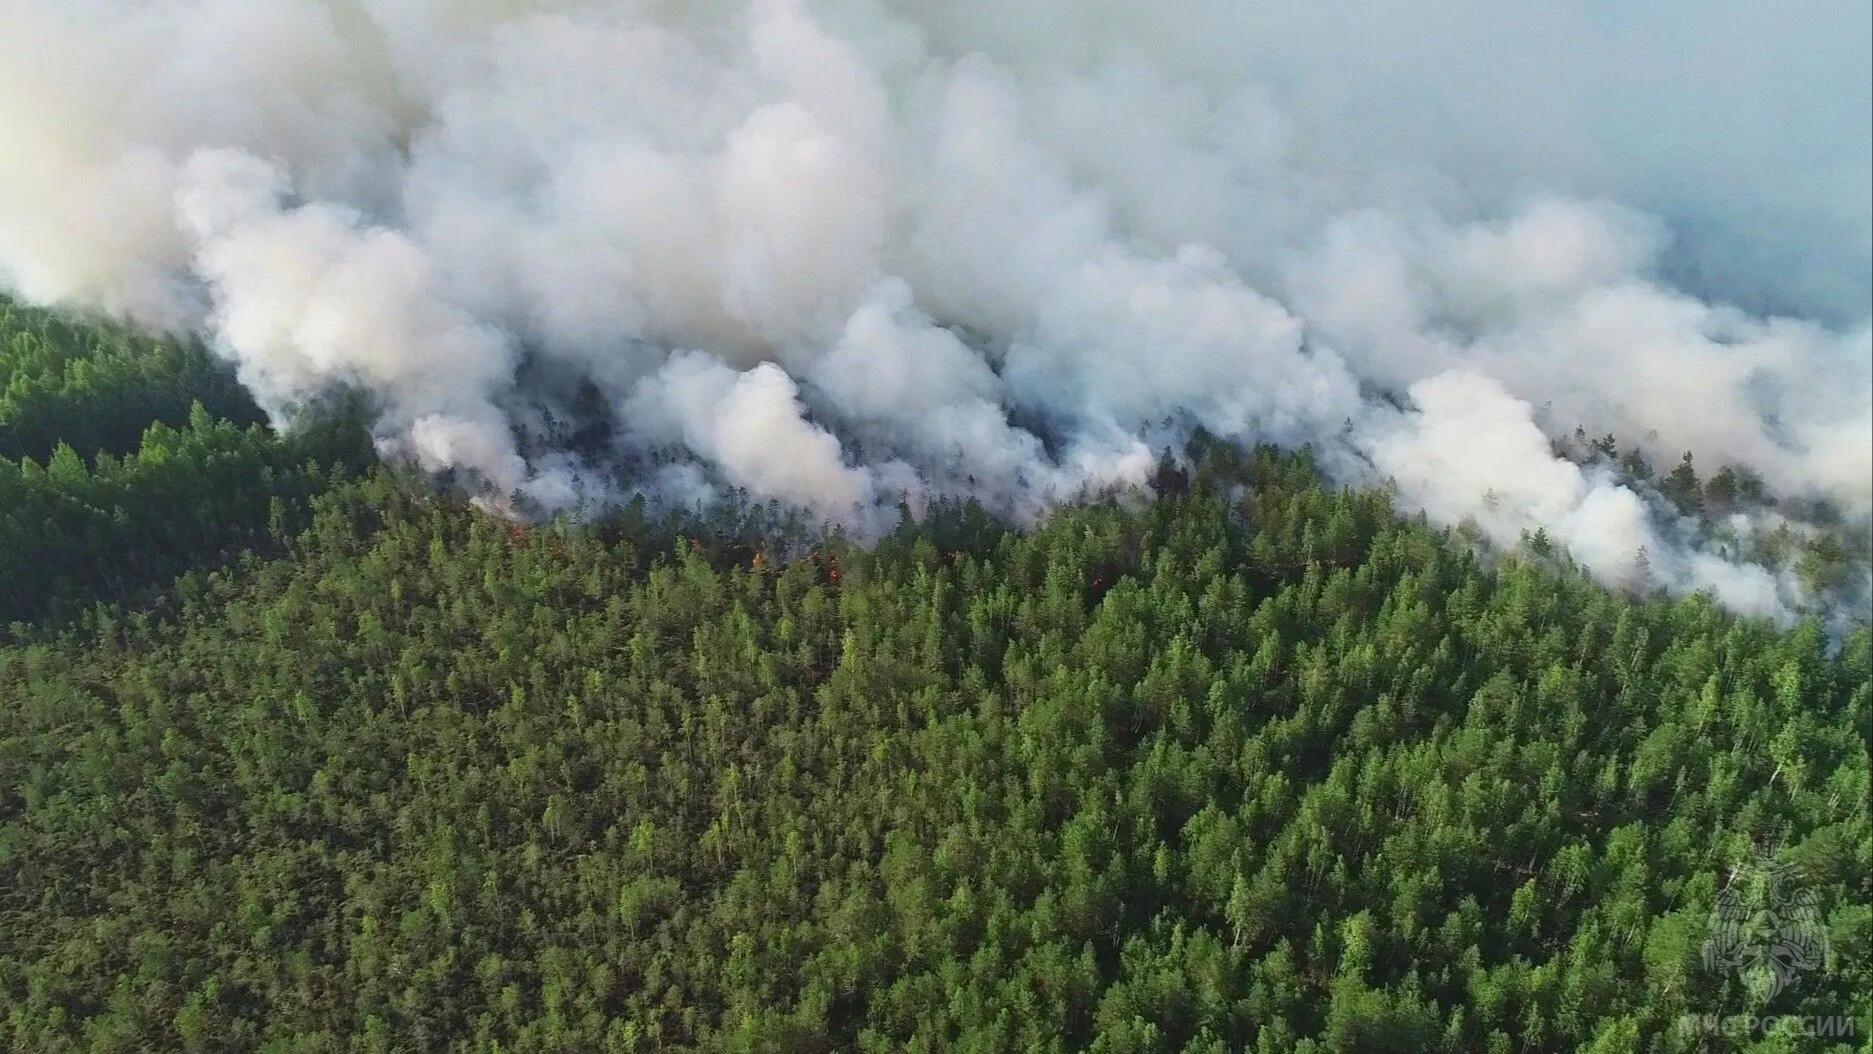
{"type": "Point", "coordinates": [846, 253]}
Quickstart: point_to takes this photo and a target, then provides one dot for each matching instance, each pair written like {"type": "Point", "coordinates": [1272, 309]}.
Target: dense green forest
{"type": "Point", "coordinates": [96, 386]}
{"type": "Point", "coordinates": [125, 461]}
{"type": "Point", "coordinates": [298, 752]}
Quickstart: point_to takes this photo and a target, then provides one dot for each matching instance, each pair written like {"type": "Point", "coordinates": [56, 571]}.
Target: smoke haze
{"type": "Point", "coordinates": [842, 253]}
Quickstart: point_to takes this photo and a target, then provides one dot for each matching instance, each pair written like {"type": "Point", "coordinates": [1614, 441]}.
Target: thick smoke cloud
{"type": "Point", "coordinates": [852, 252]}
{"type": "Point", "coordinates": [1435, 458]}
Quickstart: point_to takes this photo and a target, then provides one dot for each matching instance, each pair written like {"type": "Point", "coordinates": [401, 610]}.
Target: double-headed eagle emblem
{"type": "Point", "coordinates": [1767, 927]}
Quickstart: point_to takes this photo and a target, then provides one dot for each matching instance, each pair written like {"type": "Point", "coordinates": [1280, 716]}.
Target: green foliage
{"type": "Point", "coordinates": [97, 387]}
{"type": "Point", "coordinates": [72, 533]}
{"type": "Point", "coordinates": [1259, 766]}
{"type": "Point", "coordinates": [1274, 772]}
{"type": "Point", "coordinates": [1682, 487]}
{"type": "Point", "coordinates": [125, 461]}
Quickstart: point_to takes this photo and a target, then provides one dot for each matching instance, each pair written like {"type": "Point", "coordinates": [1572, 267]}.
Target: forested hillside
{"type": "Point", "coordinates": [1256, 766]}
{"type": "Point", "coordinates": [95, 386]}
{"type": "Point", "coordinates": [125, 461]}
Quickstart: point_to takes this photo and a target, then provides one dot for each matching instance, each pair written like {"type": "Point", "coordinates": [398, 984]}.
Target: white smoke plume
{"type": "Point", "coordinates": [843, 253]}
{"type": "Point", "coordinates": [1468, 436]}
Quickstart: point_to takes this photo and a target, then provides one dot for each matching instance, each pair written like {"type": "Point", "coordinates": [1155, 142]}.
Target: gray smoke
{"type": "Point", "coordinates": [851, 252]}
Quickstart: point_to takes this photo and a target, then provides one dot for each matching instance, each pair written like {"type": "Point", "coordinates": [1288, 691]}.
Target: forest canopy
{"type": "Point", "coordinates": [301, 752]}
